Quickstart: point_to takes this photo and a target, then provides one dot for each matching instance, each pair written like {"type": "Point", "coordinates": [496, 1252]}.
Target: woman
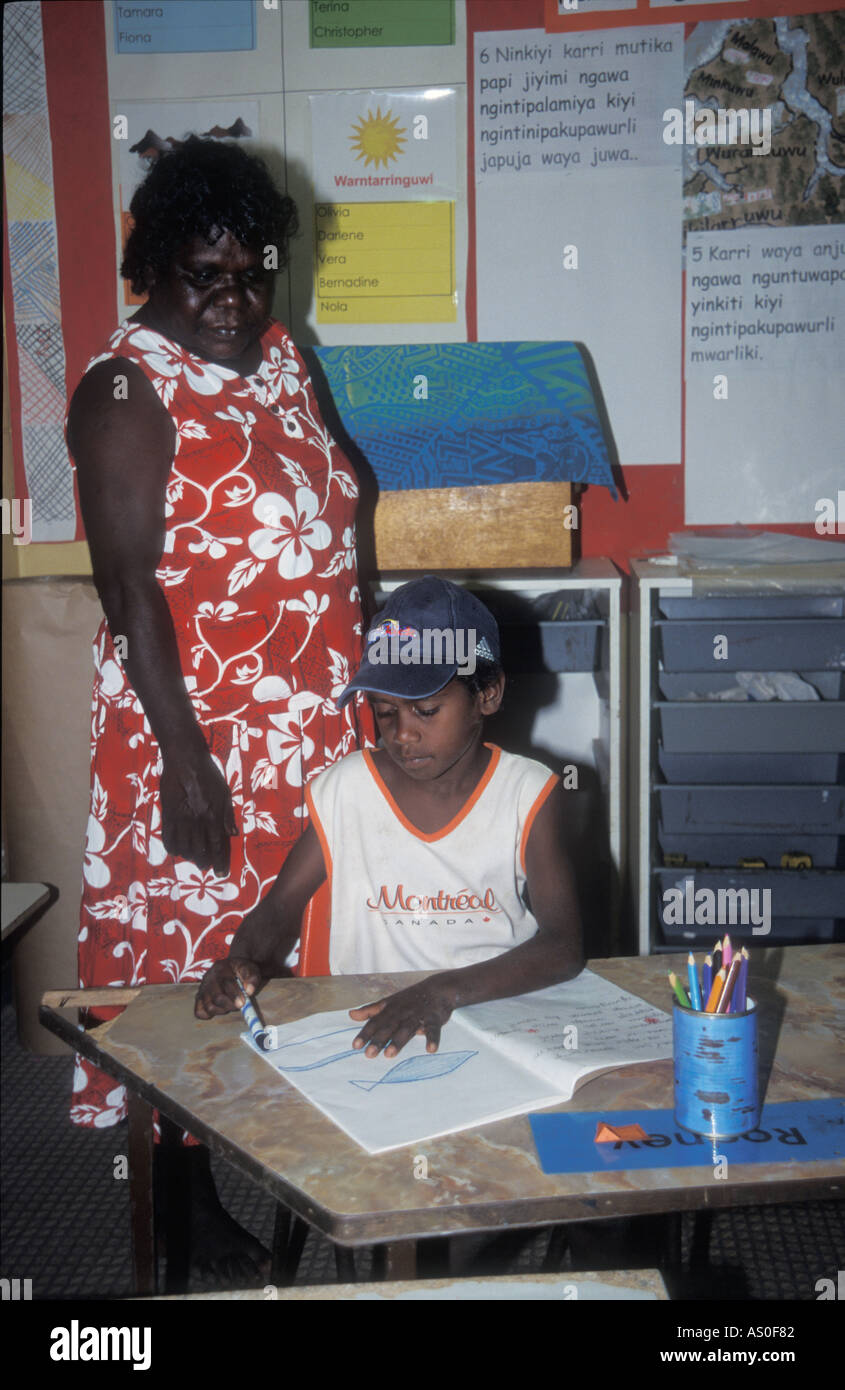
{"type": "Point", "coordinates": [220, 517]}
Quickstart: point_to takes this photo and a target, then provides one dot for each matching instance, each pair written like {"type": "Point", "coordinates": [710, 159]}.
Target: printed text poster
{"type": "Point", "coordinates": [765, 362]}
{"type": "Point", "coordinates": [385, 184]}
{"type": "Point", "coordinates": [578, 212]}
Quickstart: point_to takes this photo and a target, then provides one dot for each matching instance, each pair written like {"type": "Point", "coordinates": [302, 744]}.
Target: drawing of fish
{"type": "Point", "coordinates": [321, 1061]}
{"type": "Point", "coordinates": [423, 1068]}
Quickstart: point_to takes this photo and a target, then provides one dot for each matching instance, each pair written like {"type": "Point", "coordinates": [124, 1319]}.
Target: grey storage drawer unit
{"type": "Point", "coordinates": [725, 851]}
{"type": "Point", "coordinates": [792, 895]}
{"type": "Point", "coordinates": [753, 606]}
{"type": "Point", "coordinates": [741, 793]}
{"type": "Point", "coordinates": [776, 644]}
{"type": "Point", "coordinates": [697, 685]}
{"type": "Point", "coordinates": [778, 726]}
{"type": "Point", "coordinates": [563, 646]}
{"type": "Point", "coordinates": [764, 768]}
{"type": "Point", "coordinates": [721, 810]}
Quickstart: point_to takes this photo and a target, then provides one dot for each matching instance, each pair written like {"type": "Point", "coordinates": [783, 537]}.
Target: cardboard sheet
{"type": "Point", "coordinates": [48, 674]}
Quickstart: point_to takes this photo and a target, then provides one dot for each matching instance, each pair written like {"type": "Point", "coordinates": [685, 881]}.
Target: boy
{"type": "Point", "coordinates": [444, 853]}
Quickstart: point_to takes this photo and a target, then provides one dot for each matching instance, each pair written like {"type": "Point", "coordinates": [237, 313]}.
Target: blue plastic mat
{"type": "Point", "coordinates": [457, 414]}
{"type": "Point", "coordinates": [791, 1132]}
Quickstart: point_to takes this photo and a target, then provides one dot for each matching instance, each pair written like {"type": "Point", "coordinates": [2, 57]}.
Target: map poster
{"type": "Point", "coordinates": [385, 185]}
{"type": "Point", "coordinates": [765, 271]}
{"type": "Point", "coordinates": [791, 71]}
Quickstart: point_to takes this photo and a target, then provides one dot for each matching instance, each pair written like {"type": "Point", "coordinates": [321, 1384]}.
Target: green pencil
{"type": "Point", "coordinates": [679, 990]}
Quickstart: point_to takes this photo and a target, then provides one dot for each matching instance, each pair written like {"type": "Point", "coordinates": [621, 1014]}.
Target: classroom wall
{"type": "Point", "coordinates": [88, 83]}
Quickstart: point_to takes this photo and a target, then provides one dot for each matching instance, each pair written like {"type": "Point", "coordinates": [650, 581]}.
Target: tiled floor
{"type": "Point", "coordinates": [65, 1215]}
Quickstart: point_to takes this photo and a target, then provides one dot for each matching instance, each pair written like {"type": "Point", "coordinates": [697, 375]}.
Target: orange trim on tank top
{"type": "Point", "coordinates": [495, 754]}
{"type": "Point", "coordinates": [532, 816]}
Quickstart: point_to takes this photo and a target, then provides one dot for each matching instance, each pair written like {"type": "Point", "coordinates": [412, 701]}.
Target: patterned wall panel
{"type": "Point", "coordinates": [35, 299]}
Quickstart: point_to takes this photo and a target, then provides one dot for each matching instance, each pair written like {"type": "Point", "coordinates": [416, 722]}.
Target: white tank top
{"type": "Point", "coordinates": [404, 900]}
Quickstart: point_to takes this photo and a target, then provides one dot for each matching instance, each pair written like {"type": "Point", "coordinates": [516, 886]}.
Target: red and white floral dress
{"type": "Point", "coordinates": [259, 569]}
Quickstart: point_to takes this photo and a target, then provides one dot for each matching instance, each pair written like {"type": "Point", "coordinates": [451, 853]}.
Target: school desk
{"type": "Point", "coordinates": [623, 1285]}
{"type": "Point", "coordinates": [204, 1078]}
{"type": "Point", "coordinates": [20, 903]}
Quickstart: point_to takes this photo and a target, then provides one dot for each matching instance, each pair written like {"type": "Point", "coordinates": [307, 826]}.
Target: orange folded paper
{"type": "Point", "coordinates": [612, 1134]}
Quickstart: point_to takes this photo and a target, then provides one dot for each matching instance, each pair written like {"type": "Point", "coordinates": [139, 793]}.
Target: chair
{"type": "Point", "coordinates": [314, 935]}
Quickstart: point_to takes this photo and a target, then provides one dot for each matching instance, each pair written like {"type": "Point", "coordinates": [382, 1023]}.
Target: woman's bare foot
{"type": "Point", "coordinates": [219, 1253]}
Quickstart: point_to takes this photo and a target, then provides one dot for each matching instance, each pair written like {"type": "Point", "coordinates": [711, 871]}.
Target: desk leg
{"type": "Point", "coordinates": [177, 1171]}
{"type": "Point", "coordinates": [289, 1237]}
{"type": "Point", "coordinates": [400, 1258]}
{"type": "Point", "coordinates": [141, 1194]}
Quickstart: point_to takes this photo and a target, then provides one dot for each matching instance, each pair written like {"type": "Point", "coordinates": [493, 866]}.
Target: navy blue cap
{"type": "Point", "coordinates": [427, 632]}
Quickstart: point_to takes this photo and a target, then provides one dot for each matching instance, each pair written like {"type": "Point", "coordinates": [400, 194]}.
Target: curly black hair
{"type": "Point", "coordinates": [486, 673]}
{"type": "Point", "coordinates": [204, 188]}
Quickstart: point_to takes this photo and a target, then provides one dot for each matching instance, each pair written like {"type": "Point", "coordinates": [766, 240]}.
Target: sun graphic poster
{"type": "Point", "coordinates": [385, 185]}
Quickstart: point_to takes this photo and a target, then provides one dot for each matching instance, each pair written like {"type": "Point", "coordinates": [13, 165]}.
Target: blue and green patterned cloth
{"type": "Point", "coordinates": [457, 414]}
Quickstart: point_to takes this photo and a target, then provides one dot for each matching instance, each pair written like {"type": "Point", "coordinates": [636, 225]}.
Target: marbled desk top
{"type": "Point", "coordinates": [485, 1178]}
{"type": "Point", "coordinates": [583, 1287]}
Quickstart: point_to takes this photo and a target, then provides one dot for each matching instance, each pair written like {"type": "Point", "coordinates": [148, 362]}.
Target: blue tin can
{"type": "Point", "coordinates": [715, 1061]}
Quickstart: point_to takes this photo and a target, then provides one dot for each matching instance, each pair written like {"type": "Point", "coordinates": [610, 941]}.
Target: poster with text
{"type": "Point", "coordinates": [765, 363]}
{"type": "Point", "coordinates": [385, 185]}
{"type": "Point", "coordinates": [578, 212]}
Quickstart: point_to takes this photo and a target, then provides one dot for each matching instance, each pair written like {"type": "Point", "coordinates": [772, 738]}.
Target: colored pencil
{"type": "Point", "coordinates": [679, 989]}
{"type": "Point", "coordinates": [716, 953]}
{"type": "Point", "coordinates": [741, 988]}
{"type": "Point", "coordinates": [727, 952]}
{"type": "Point", "coordinates": [694, 986]}
{"type": "Point", "coordinates": [252, 1019]}
{"type": "Point", "coordinates": [716, 991]}
{"type": "Point", "coordinates": [707, 976]}
{"type": "Point", "coordinates": [724, 1004]}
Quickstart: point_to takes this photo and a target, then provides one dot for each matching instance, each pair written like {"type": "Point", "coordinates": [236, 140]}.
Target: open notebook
{"type": "Point", "coordinates": [494, 1060]}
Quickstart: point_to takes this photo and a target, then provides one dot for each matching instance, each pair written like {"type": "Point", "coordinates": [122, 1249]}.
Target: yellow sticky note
{"type": "Point", "coordinates": [385, 262]}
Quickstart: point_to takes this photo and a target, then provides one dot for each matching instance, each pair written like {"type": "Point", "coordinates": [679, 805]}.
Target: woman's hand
{"type": "Point", "coordinates": [197, 816]}
{"type": "Point", "coordinates": [422, 1008]}
{"type": "Point", "coordinates": [219, 991]}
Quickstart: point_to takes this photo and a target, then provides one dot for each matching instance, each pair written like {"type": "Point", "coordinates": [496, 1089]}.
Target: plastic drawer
{"type": "Point", "coordinates": [786, 931]}
{"type": "Point", "coordinates": [687, 685]}
{"type": "Point", "coordinates": [712, 768]}
{"type": "Point", "coordinates": [567, 646]}
{"type": "Point", "coordinates": [805, 893]}
{"type": "Point", "coordinates": [778, 726]}
{"type": "Point", "coordinates": [768, 810]}
{"type": "Point", "coordinates": [754, 606]}
{"type": "Point", "coordinates": [726, 850]}
{"type": "Point", "coordinates": [787, 644]}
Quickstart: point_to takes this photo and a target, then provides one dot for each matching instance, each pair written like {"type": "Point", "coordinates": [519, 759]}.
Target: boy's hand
{"type": "Point", "coordinates": [422, 1008]}
{"type": "Point", "coordinates": [219, 992]}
